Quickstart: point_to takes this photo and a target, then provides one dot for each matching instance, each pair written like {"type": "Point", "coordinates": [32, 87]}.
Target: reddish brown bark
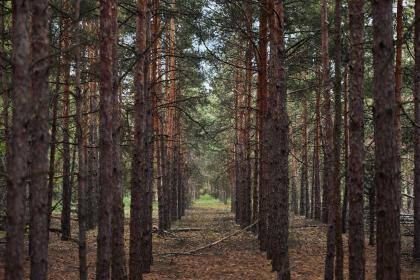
{"type": "Point", "coordinates": [387, 171]}
{"type": "Point", "coordinates": [92, 157]}
{"type": "Point", "coordinates": [262, 105]}
{"type": "Point", "coordinates": [356, 142]}
{"type": "Point", "coordinates": [106, 84]}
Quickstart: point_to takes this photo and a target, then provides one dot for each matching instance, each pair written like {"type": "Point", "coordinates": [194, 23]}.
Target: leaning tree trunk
{"type": "Point", "coordinates": [387, 171]}
{"type": "Point", "coordinates": [18, 160]}
{"type": "Point", "coordinates": [39, 136]}
{"type": "Point", "coordinates": [356, 142]}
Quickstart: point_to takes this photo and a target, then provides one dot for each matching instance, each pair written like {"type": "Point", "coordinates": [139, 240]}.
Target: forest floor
{"type": "Point", "coordinates": [237, 257]}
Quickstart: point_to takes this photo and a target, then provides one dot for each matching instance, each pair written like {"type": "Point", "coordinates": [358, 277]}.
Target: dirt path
{"type": "Point", "coordinates": [236, 258]}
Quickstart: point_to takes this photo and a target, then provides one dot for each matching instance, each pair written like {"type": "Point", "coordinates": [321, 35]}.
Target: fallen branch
{"type": "Point", "coordinates": [185, 229]}
{"type": "Point", "coordinates": [192, 252]}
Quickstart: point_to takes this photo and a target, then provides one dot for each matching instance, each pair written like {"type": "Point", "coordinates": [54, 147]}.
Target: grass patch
{"type": "Point", "coordinates": [207, 201]}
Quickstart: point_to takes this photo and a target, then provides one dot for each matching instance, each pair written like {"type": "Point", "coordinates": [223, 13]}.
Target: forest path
{"type": "Point", "coordinates": [237, 257]}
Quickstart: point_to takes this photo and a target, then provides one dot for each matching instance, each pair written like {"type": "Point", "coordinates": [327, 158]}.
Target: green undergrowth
{"type": "Point", "coordinates": [207, 201]}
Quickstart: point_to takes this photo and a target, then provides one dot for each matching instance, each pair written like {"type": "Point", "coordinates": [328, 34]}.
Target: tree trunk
{"type": "Point", "coordinates": [18, 160]}
{"type": "Point", "coordinates": [387, 171]}
{"type": "Point", "coordinates": [416, 252]}
{"type": "Point", "coordinates": [328, 124]}
{"type": "Point", "coordinates": [140, 217]}
{"type": "Point", "coordinates": [356, 142]}
{"type": "Point", "coordinates": [247, 209]}
{"type": "Point", "coordinates": [53, 140]}
{"type": "Point", "coordinates": [118, 269]}
{"type": "Point", "coordinates": [171, 114]}
{"type": "Point", "coordinates": [317, 136]}
{"type": "Point", "coordinates": [92, 157]}
{"type": "Point", "coordinates": [262, 105]}
{"type": "Point", "coordinates": [106, 82]}
{"type": "Point", "coordinates": [277, 140]}
{"type": "Point", "coordinates": [334, 236]}
{"type": "Point", "coordinates": [399, 73]}
{"type": "Point", "coordinates": [293, 174]}
{"type": "Point", "coordinates": [344, 216]}
{"type": "Point", "coordinates": [304, 181]}
{"type": "Point", "coordinates": [81, 174]}
{"type": "Point", "coordinates": [39, 127]}
{"type": "Point", "coordinates": [67, 187]}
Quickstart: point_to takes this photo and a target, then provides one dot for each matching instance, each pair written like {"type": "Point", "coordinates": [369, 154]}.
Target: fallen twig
{"type": "Point", "coordinates": [185, 229]}
{"type": "Point", "coordinates": [192, 252]}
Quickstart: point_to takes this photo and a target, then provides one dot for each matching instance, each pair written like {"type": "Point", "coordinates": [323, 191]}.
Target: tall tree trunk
{"type": "Point", "coordinates": [156, 88]}
{"type": "Point", "coordinates": [328, 124]}
{"type": "Point", "coordinates": [18, 160]}
{"type": "Point", "coordinates": [293, 174]}
{"type": "Point", "coordinates": [171, 114]}
{"type": "Point", "coordinates": [262, 105]}
{"type": "Point", "coordinates": [399, 73]}
{"type": "Point", "coordinates": [67, 187]}
{"type": "Point", "coordinates": [81, 174]}
{"type": "Point", "coordinates": [39, 127]}
{"type": "Point", "coordinates": [118, 270]}
{"type": "Point", "coordinates": [356, 142]}
{"type": "Point", "coordinates": [317, 136]}
{"type": "Point", "coordinates": [92, 157]}
{"type": "Point", "coordinates": [339, 254]}
{"type": "Point", "coordinates": [277, 144]}
{"type": "Point", "coordinates": [106, 82]}
{"type": "Point", "coordinates": [416, 252]}
{"type": "Point", "coordinates": [304, 176]}
{"type": "Point", "coordinates": [372, 199]}
{"type": "Point", "coordinates": [387, 171]}
{"type": "Point", "coordinates": [53, 138]}
{"type": "Point", "coordinates": [247, 213]}
{"type": "Point", "coordinates": [346, 152]}
{"type": "Point", "coordinates": [334, 237]}
{"type": "Point", "coordinates": [140, 217]}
